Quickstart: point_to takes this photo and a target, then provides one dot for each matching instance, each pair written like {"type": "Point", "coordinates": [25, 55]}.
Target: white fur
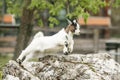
{"type": "Point", "coordinates": [49, 44]}
{"type": "Point", "coordinates": [39, 34]}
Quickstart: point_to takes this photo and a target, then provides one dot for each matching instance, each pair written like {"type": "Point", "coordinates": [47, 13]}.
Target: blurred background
{"type": "Point", "coordinates": [100, 28]}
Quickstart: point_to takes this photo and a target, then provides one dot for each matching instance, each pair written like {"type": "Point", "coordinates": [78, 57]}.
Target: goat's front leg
{"type": "Point", "coordinates": [71, 46]}
{"type": "Point", "coordinates": [66, 49]}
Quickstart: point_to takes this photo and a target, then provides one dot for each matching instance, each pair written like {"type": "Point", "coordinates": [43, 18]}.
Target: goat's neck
{"type": "Point", "coordinates": [68, 31]}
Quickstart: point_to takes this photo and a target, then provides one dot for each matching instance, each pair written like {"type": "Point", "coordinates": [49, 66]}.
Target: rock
{"type": "Point", "coordinates": [72, 67]}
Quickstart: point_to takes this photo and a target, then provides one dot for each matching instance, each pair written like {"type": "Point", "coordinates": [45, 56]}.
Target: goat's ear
{"type": "Point", "coordinates": [69, 21]}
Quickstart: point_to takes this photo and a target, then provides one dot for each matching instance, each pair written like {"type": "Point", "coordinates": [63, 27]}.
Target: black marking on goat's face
{"type": "Point", "coordinates": [76, 26]}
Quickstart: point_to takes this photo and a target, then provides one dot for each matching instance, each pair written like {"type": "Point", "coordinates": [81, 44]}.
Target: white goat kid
{"type": "Point", "coordinates": [63, 40]}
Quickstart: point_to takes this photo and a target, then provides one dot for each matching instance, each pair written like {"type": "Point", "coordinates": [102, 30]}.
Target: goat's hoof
{"type": "Point", "coordinates": [66, 53]}
{"type": "Point", "coordinates": [19, 61]}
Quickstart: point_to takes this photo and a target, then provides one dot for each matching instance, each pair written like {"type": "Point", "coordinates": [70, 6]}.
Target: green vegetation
{"type": "Point", "coordinates": [115, 35]}
{"type": "Point", "coordinates": [3, 60]}
{"type": "Point", "coordinates": [74, 8]}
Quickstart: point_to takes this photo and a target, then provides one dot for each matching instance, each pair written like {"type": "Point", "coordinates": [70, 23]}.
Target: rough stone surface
{"type": "Point", "coordinates": [72, 67]}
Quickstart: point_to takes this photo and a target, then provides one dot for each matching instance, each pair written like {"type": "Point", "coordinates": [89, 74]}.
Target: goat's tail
{"type": "Point", "coordinates": [39, 34]}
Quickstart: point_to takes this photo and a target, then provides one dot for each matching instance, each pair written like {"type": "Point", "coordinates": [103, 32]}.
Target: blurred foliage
{"type": "Point", "coordinates": [1, 8]}
{"type": "Point", "coordinates": [0, 75]}
{"type": "Point", "coordinates": [3, 60]}
{"type": "Point", "coordinates": [116, 3]}
{"type": "Point", "coordinates": [0, 4]}
{"type": "Point", "coordinates": [14, 7]}
{"type": "Point", "coordinates": [74, 8]}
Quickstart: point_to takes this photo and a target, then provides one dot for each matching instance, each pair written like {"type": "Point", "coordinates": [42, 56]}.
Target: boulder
{"type": "Point", "coordinates": [98, 66]}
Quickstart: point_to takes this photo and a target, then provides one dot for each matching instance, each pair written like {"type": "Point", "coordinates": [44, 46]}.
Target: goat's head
{"type": "Point", "coordinates": [74, 26]}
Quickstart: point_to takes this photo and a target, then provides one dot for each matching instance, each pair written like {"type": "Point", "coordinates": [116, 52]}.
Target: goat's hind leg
{"type": "Point", "coordinates": [22, 56]}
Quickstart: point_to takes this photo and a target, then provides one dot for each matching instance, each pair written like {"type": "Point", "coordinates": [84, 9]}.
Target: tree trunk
{"type": "Point", "coordinates": [25, 29]}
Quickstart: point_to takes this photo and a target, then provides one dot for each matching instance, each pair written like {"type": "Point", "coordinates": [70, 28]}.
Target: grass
{"type": "Point", "coordinates": [3, 60]}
